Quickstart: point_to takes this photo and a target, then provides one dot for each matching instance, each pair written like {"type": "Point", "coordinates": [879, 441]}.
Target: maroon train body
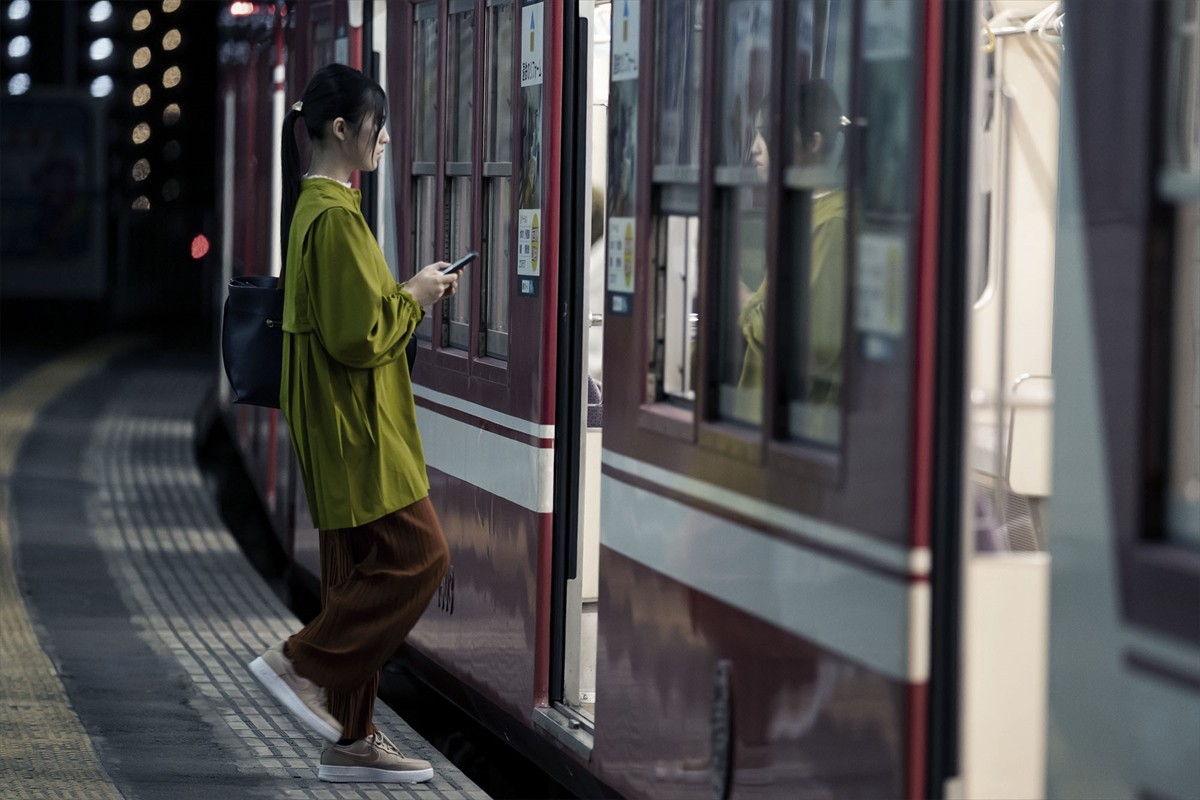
{"type": "Point", "coordinates": [700, 585]}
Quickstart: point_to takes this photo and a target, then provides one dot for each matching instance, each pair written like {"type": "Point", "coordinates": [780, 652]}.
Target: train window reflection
{"type": "Point", "coordinates": [815, 209]}
{"type": "Point", "coordinates": [460, 80]}
{"type": "Point", "coordinates": [497, 251]}
{"type": "Point", "coordinates": [497, 177]}
{"type": "Point", "coordinates": [742, 111]}
{"type": "Point", "coordinates": [424, 228]}
{"type": "Point", "coordinates": [425, 111]}
{"type": "Point", "coordinates": [499, 76]}
{"type": "Point", "coordinates": [677, 126]}
{"type": "Point", "coordinates": [456, 311]}
{"type": "Point", "coordinates": [745, 82]}
{"type": "Point", "coordinates": [460, 38]}
{"type": "Point", "coordinates": [743, 307]}
{"type": "Point", "coordinates": [676, 317]}
{"type": "Point", "coordinates": [425, 94]}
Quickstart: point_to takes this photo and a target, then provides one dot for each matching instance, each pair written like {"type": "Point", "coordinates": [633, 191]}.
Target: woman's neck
{"type": "Point", "coordinates": [330, 165]}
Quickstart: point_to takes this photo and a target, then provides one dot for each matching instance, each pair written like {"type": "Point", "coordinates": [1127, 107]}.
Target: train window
{"type": "Point", "coordinates": [676, 200]}
{"type": "Point", "coordinates": [1178, 186]}
{"type": "Point", "coordinates": [744, 64]}
{"type": "Point", "coordinates": [815, 211]}
{"type": "Point", "coordinates": [460, 81]}
{"type": "Point", "coordinates": [676, 280]}
{"type": "Point", "coordinates": [497, 178]}
{"type": "Point", "coordinates": [677, 128]}
{"type": "Point", "coordinates": [424, 167]}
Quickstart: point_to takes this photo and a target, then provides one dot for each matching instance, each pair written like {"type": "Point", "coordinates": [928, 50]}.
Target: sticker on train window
{"type": "Point", "coordinates": [529, 265]}
{"type": "Point", "coordinates": [625, 36]}
{"type": "Point", "coordinates": [531, 44]}
{"type": "Point", "coordinates": [622, 233]}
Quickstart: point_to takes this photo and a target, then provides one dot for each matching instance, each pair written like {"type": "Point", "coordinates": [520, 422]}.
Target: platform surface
{"type": "Point", "coordinates": [127, 610]}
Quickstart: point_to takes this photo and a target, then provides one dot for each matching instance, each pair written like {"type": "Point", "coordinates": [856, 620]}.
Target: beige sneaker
{"type": "Point", "coordinates": [301, 696]}
{"type": "Point", "coordinates": [371, 760]}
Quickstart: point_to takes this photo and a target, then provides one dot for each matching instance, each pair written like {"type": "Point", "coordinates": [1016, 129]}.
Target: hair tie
{"type": "Point", "coordinates": [298, 106]}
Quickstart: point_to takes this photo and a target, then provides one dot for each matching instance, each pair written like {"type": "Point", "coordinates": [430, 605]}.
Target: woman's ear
{"type": "Point", "coordinates": [815, 145]}
{"type": "Point", "coordinates": [339, 128]}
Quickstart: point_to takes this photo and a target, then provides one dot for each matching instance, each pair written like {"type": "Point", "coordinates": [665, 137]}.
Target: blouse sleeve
{"type": "Point", "coordinates": [361, 320]}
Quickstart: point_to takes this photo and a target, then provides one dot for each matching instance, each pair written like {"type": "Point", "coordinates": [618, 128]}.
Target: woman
{"type": "Point", "coordinates": [347, 397]}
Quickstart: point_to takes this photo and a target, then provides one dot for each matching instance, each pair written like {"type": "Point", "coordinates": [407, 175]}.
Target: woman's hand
{"type": "Point", "coordinates": [430, 285]}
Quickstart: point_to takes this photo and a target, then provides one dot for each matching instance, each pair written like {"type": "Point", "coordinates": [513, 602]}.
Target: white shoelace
{"type": "Point", "coordinates": [379, 740]}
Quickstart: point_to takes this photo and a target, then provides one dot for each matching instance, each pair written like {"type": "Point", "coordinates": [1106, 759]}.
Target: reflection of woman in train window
{"type": "Point", "coordinates": [817, 124]}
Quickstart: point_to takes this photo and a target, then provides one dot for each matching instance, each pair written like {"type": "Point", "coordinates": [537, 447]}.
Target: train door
{"type": "Point", "coordinates": [577, 504]}
{"type": "Point", "coordinates": [1001, 664]}
{"type": "Point", "coordinates": [1124, 683]}
{"type": "Point", "coordinates": [477, 90]}
{"type": "Point", "coordinates": [779, 458]}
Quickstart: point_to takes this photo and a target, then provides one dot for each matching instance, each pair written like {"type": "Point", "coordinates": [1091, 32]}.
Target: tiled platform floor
{"type": "Point", "coordinates": [143, 601]}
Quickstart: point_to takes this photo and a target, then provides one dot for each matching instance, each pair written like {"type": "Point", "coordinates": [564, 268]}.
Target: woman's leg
{"type": "Point", "coordinates": [376, 581]}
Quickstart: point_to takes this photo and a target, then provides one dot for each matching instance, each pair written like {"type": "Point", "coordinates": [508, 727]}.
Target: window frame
{"type": "Point", "coordinates": [468, 373]}
{"type": "Point", "coordinates": [880, 395]}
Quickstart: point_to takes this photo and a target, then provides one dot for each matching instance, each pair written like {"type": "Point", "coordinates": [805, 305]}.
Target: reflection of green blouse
{"type": "Point", "coordinates": [826, 302]}
{"type": "Point", "coordinates": [346, 392]}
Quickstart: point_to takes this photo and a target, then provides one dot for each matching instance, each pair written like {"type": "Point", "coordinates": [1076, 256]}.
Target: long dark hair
{"type": "Point", "coordinates": [334, 91]}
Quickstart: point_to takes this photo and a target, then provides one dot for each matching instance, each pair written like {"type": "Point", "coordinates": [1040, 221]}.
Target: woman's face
{"type": "Point", "coordinates": [369, 151]}
{"type": "Point", "coordinates": [758, 148]}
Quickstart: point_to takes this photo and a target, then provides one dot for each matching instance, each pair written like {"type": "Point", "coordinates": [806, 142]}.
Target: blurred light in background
{"type": "Point", "coordinates": [102, 86]}
{"type": "Point", "coordinates": [200, 246]}
{"type": "Point", "coordinates": [18, 10]}
{"type": "Point", "coordinates": [18, 47]}
{"type": "Point", "coordinates": [101, 11]}
{"type": "Point", "coordinates": [19, 83]}
{"type": "Point", "coordinates": [100, 49]}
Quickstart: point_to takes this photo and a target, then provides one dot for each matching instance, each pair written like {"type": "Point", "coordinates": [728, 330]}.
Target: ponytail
{"type": "Point", "coordinates": [290, 155]}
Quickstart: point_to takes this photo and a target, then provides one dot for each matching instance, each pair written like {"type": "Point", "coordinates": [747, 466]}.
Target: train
{"type": "Point", "coordinates": [821, 417]}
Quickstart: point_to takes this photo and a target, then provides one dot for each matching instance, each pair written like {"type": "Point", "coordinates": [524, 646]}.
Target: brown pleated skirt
{"type": "Point", "coordinates": [376, 581]}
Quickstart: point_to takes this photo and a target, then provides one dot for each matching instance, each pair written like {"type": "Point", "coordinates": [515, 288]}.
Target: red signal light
{"type": "Point", "coordinates": [199, 246]}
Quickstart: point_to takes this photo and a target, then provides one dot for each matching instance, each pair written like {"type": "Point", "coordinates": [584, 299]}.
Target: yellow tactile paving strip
{"type": "Point", "coordinates": [44, 751]}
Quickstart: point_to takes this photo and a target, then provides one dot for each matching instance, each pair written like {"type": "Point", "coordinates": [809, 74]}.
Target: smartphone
{"type": "Point", "coordinates": [462, 262]}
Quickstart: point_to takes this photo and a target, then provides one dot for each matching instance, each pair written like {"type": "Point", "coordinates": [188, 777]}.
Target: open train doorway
{"type": "Point", "coordinates": [1009, 406]}
{"type": "Point", "coordinates": [570, 711]}
{"type": "Point", "coordinates": [600, 13]}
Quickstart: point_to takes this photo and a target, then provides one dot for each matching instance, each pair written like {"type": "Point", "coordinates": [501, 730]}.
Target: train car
{"type": "Point", "coordinates": [852, 505]}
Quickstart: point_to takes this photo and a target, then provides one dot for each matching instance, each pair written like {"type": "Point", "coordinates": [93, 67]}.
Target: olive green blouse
{"type": "Point", "coordinates": [346, 393]}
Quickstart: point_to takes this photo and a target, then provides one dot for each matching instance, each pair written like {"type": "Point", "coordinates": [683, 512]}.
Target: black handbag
{"type": "Point", "coordinates": [252, 340]}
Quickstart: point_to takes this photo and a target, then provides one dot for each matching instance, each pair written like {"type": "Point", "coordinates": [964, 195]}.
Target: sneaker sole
{"type": "Point", "coordinates": [372, 775]}
{"type": "Point", "coordinates": [284, 694]}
